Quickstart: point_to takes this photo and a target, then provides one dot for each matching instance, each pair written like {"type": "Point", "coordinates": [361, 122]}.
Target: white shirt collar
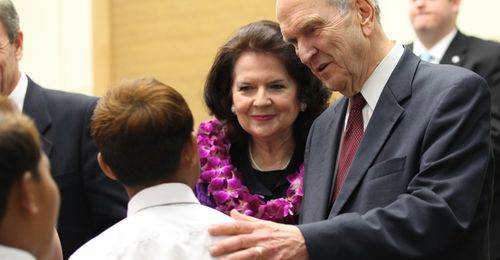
{"type": "Point", "coordinates": [372, 88]}
{"type": "Point", "coordinates": [19, 93]}
{"type": "Point", "coordinates": [438, 50]}
{"type": "Point", "coordinates": [161, 194]}
{"type": "Point", "coordinates": [7, 252]}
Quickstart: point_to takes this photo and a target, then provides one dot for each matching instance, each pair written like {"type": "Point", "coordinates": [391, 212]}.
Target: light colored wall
{"type": "Point", "coordinates": [57, 43]}
{"type": "Point", "coordinates": [173, 41]}
{"type": "Point", "coordinates": [58, 34]}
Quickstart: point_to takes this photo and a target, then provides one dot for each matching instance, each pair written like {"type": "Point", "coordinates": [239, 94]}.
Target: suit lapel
{"type": "Point", "coordinates": [327, 167]}
{"type": "Point", "coordinates": [456, 52]}
{"type": "Point", "coordinates": [318, 183]}
{"type": "Point", "coordinates": [385, 117]}
{"type": "Point", "coordinates": [35, 106]}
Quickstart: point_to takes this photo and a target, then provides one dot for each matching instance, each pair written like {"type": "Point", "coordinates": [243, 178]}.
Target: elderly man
{"type": "Point", "coordinates": [439, 40]}
{"type": "Point", "coordinates": [400, 168]}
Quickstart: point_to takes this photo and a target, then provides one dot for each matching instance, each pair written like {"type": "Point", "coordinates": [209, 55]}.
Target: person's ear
{"type": "Point", "coordinates": [18, 44]}
{"type": "Point", "coordinates": [27, 193]}
{"type": "Point", "coordinates": [455, 5]}
{"type": "Point", "coordinates": [190, 151]}
{"type": "Point", "coordinates": [367, 15]}
{"type": "Point", "coordinates": [105, 167]}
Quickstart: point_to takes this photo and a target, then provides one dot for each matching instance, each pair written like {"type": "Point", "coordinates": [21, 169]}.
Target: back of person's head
{"type": "Point", "coordinates": [141, 127]}
{"type": "Point", "coordinates": [9, 19]}
{"type": "Point", "coordinates": [29, 198]}
{"type": "Point", "coordinates": [261, 37]}
{"type": "Point", "coordinates": [20, 149]}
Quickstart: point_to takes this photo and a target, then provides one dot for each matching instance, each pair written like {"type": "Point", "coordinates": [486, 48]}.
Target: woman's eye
{"type": "Point", "coordinates": [244, 88]}
{"type": "Point", "coordinates": [277, 86]}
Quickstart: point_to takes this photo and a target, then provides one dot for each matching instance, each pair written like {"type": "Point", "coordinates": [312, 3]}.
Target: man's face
{"type": "Point", "coordinates": [10, 54]}
{"type": "Point", "coordinates": [433, 15]}
{"type": "Point", "coordinates": [330, 44]}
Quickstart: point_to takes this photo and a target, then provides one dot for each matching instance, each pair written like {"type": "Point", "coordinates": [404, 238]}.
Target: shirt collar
{"type": "Point", "coordinates": [19, 93]}
{"type": "Point", "coordinates": [7, 252]}
{"type": "Point", "coordinates": [372, 88]}
{"type": "Point", "coordinates": [161, 194]}
{"type": "Point", "coordinates": [437, 51]}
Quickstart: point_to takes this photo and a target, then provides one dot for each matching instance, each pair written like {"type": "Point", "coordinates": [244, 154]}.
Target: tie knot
{"type": "Point", "coordinates": [426, 57]}
{"type": "Point", "coordinates": [357, 102]}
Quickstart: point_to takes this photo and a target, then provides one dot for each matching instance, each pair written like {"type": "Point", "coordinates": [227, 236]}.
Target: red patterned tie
{"type": "Point", "coordinates": [352, 137]}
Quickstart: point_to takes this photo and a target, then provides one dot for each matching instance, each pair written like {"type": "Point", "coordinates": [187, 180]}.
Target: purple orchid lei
{"type": "Point", "coordinates": [225, 184]}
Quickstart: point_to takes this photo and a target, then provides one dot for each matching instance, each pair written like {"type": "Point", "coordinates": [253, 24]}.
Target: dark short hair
{"type": "Point", "coordinates": [261, 37]}
{"type": "Point", "coordinates": [140, 127]}
{"type": "Point", "coordinates": [9, 19]}
{"type": "Point", "coordinates": [20, 149]}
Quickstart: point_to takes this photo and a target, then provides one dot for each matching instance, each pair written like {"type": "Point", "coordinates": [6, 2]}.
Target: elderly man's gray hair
{"type": "Point", "coordinates": [344, 5]}
{"type": "Point", "coordinates": [9, 19]}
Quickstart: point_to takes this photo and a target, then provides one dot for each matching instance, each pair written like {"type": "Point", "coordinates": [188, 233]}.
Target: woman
{"type": "Point", "coordinates": [264, 101]}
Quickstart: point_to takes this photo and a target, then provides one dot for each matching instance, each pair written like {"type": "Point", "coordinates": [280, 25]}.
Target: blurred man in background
{"type": "Point", "coordinates": [439, 41]}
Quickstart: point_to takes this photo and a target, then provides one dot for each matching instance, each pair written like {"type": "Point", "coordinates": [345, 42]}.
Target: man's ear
{"type": "Point", "coordinates": [105, 167]}
{"type": "Point", "coordinates": [456, 5]}
{"type": "Point", "coordinates": [18, 43]}
{"type": "Point", "coordinates": [27, 193]}
{"type": "Point", "coordinates": [367, 15]}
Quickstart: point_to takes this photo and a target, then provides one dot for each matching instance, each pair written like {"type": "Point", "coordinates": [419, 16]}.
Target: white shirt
{"type": "Point", "coordinates": [165, 221]}
{"type": "Point", "coordinates": [437, 51]}
{"type": "Point", "coordinates": [19, 93]}
{"type": "Point", "coordinates": [373, 86]}
{"type": "Point", "coordinates": [11, 253]}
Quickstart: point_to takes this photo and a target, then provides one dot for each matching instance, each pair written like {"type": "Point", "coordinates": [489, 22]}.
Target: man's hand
{"type": "Point", "coordinates": [257, 239]}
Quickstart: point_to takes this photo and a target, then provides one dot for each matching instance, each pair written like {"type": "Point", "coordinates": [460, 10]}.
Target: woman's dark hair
{"type": "Point", "coordinates": [262, 37]}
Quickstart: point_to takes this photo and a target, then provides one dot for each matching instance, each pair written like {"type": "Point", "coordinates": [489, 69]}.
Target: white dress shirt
{"type": "Point", "coordinates": [373, 86]}
{"type": "Point", "coordinates": [438, 50]}
{"type": "Point", "coordinates": [165, 221]}
{"type": "Point", "coordinates": [19, 93]}
{"type": "Point", "coordinates": [11, 253]}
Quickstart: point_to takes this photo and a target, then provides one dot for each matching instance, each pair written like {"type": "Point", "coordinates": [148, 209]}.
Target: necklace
{"type": "Point", "coordinates": [257, 167]}
{"type": "Point", "coordinates": [222, 183]}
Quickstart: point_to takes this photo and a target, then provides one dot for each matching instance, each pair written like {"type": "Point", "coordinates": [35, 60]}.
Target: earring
{"type": "Point", "coordinates": [233, 110]}
{"type": "Point", "coordinates": [303, 107]}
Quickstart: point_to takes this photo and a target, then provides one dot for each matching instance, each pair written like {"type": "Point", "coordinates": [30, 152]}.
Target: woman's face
{"type": "Point", "coordinates": [265, 97]}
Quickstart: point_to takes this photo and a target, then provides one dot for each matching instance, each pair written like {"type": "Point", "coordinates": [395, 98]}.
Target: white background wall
{"type": "Point", "coordinates": [57, 43]}
{"type": "Point", "coordinates": [58, 38]}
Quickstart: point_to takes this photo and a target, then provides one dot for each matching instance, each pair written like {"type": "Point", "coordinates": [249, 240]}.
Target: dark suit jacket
{"type": "Point", "coordinates": [90, 202]}
{"type": "Point", "coordinates": [483, 57]}
{"type": "Point", "coordinates": [420, 186]}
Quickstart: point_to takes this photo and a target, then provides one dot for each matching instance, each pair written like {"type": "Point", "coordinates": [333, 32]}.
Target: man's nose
{"type": "Point", "coordinates": [305, 51]}
{"type": "Point", "coordinates": [419, 3]}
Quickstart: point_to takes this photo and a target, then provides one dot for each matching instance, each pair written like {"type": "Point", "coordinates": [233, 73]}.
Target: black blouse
{"type": "Point", "coordinates": [270, 184]}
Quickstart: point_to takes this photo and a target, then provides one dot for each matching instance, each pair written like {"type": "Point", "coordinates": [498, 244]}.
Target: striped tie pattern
{"type": "Point", "coordinates": [352, 137]}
